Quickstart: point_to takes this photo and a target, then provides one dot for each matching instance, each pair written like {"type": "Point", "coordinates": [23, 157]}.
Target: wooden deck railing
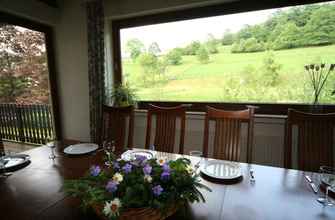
{"type": "Point", "coordinates": [26, 123]}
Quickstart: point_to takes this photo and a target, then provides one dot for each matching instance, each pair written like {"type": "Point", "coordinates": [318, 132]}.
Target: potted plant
{"type": "Point", "coordinates": [137, 189]}
{"type": "Point", "coordinates": [122, 95]}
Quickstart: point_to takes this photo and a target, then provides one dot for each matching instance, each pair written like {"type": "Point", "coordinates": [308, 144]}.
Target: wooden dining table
{"type": "Point", "coordinates": [35, 192]}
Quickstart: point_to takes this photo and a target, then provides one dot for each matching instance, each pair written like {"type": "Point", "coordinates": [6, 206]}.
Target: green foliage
{"type": "Point", "coordinates": [134, 191]}
{"type": "Point", "coordinates": [289, 37]}
{"type": "Point", "coordinates": [203, 55]}
{"type": "Point", "coordinates": [247, 46]}
{"type": "Point", "coordinates": [228, 38]}
{"type": "Point", "coordinates": [154, 49]}
{"type": "Point", "coordinates": [211, 44]}
{"type": "Point", "coordinates": [192, 48]}
{"type": "Point", "coordinates": [123, 95]}
{"type": "Point", "coordinates": [12, 86]}
{"type": "Point", "coordinates": [152, 67]}
{"type": "Point", "coordinates": [174, 57]}
{"type": "Point", "coordinates": [270, 70]}
{"type": "Point", "coordinates": [135, 47]}
{"type": "Point", "coordinates": [310, 25]}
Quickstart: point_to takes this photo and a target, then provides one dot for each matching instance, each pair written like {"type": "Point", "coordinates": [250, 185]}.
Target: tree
{"type": "Point", "coordinates": [154, 49]}
{"type": "Point", "coordinates": [192, 48]}
{"type": "Point", "coordinates": [289, 37]}
{"type": "Point", "coordinates": [270, 70]}
{"type": "Point", "coordinates": [135, 47]}
{"type": "Point", "coordinates": [203, 55]}
{"type": "Point", "coordinates": [151, 67]}
{"type": "Point", "coordinates": [228, 38]}
{"type": "Point", "coordinates": [320, 28]}
{"type": "Point", "coordinates": [174, 57]}
{"type": "Point", "coordinates": [211, 44]}
{"type": "Point", "coordinates": [23, 66]}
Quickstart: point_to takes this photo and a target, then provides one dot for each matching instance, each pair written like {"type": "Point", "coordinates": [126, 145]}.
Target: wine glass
{"type": "Point", "coordinates": [52, 145]}
{"type": "Point", "coordinates": [196, 156]}
{"type": "Point", "coordinates": [109, 149]}
{"type": "Point", "coordinates": [327, 178]}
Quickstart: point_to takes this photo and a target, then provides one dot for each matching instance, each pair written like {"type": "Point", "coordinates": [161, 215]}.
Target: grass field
{"type": "Point", "coordinates": [234, 78]}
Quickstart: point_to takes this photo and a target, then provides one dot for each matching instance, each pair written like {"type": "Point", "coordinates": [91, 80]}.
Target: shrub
{"type": "Point", "coordinates": [174, 57]}
{"type": "Point", "coordinates": [202, 55]}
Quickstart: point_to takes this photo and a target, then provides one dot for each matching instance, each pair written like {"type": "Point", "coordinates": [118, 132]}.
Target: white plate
{"type": "Point", "coordinates": [131, 154]}
{"type": "Point", "coordinates": [223, 170]}
{"type": "Point", "coordinates": [79, 149]}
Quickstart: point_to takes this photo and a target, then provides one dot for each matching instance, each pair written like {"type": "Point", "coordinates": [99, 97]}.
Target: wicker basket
{"type": "Point", "coordinates": [137, 214]}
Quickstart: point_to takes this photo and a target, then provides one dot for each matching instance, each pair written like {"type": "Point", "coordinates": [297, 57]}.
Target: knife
{"type": "Point", "coordinates": [311, 183]}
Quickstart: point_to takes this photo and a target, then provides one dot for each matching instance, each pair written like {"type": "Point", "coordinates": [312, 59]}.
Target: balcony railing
{"type": "Point", "coordinates": [26, 123]}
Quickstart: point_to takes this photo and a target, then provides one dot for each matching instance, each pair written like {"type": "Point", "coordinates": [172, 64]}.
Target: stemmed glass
{"type": "Point", "coordinates": [327, 177]}
{"type": "Point", "coordinates": [109, 148]}
{"type": "Point", "coordinates": [196, 156]}
{"type": "Point", "coordinates": [52, 145]}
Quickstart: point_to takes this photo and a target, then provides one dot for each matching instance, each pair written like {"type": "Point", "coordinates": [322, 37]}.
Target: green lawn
{"type": "Point", "coordinates": [234, 77]}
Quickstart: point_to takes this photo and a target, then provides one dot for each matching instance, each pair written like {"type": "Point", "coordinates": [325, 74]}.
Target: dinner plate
{"type": "Point", "coordinates": [221, 170]}
{"type": "Point", "coordinates": [16, 161]}
{"type": "Point", "coordinates": [79, 149]}
{"type": "Point", "coordinates": [131, 154]}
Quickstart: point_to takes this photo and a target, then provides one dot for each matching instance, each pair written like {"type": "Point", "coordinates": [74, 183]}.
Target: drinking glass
{"type": "Point", "coordinates": [196, 157]}
{"type": "Point", "coordinates": [327, 178]}
{"type": "Point", "coordinates": [109, 149]}
{"type": "Point", "coordinates": [52, 146]}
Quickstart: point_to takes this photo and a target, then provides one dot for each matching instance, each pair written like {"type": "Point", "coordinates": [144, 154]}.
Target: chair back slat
{"type": "Point", "coordinates": [165, 131]}
{"type": "Point", "coordinates": [315, 139]}
{"type": "Point", "coordinates": [115, 126]}
{"type": "Point", "coordinates": [227, 133]}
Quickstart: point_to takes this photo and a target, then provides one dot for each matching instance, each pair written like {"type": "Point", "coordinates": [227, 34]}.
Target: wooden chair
{"type": "Point", "coordinates": [114, 126]}
{"type": "Point", "coordinates": [165, 132]}
{"type": "Point", "coordinates": [227, 133]}
{"type": "Point", "coordinates": [315, 137]}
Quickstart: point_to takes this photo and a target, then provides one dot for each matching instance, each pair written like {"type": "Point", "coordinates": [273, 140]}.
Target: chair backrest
{"type": "Point", "coordinates": [227, 133]}
{"type": "Point", "coordinates": [315, 137]}
{"type": "Point", "coordinates": [165, 132]}
{"type": "Point", "coordinates": [114, 126]}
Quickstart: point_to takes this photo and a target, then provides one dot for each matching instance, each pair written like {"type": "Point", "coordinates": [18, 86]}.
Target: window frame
{"type": "Point", "coordinates": [202, 12]}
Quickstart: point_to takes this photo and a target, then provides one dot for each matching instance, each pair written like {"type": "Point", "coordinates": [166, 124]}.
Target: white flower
{"type": "Point", "coordinates": [189, 169]}
{"type": "Point", "coordinates": [148, 178]}
{"type": "Point", "coordinates": [161, 161]}
{"type": "Point", "coordinates": [112, 208]}
{"type": "Point", "coordinates": [118, 177]}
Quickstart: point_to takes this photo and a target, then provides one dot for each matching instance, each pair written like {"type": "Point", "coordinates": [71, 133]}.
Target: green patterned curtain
{"type": "Point", "coordinates": [96, 65]}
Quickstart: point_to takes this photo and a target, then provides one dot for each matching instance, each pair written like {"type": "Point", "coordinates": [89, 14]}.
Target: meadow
{"type": "Point", "coordinates": [234, 77]}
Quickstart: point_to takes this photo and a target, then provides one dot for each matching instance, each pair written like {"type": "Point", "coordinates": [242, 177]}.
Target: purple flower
{"type": "Point", "coordinates": [140, 158]}
{"type": "Point", "coordinates": [166, 167]}
{"type": "Point", "coordinates": [127, 168]}
{"type": "Point", "coordinates": [157, 190]}
{"type": "Point", "coordinates": [111, 186]}
{"type": "Point", "coordinates": [116, 166]}
{"type": "Point", "coordinates": [147, 169]}
{"type": "Point", "coordinates": [95, 170]}
{"type": "Point", "coordinates": [165, 176]}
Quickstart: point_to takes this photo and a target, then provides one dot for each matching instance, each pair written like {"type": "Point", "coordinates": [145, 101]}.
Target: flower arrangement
{"type": "Point", "coordinates": [139, 183]}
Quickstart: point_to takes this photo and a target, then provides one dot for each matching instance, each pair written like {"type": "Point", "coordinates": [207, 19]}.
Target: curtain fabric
{"type": "Point", "coordinates": [96, 65]}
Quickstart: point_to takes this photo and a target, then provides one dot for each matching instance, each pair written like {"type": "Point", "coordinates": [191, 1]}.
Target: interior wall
{"type": "Point", "coordinates": [72, 67]}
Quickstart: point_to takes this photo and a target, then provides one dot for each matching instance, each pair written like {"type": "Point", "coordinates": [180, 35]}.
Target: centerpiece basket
{"type": "Point", "coordinates": [140, 188]}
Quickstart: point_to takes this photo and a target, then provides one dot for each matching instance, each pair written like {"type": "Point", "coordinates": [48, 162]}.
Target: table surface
{"type": "Point", "coordinates": [35, 192]}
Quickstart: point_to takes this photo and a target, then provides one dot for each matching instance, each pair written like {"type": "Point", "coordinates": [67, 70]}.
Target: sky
{"type": "Point", "coordinates": [180, 33]}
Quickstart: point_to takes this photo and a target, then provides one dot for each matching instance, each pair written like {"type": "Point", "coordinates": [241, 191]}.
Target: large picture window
{"type": "Point", "coordinates": [258, 57]}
